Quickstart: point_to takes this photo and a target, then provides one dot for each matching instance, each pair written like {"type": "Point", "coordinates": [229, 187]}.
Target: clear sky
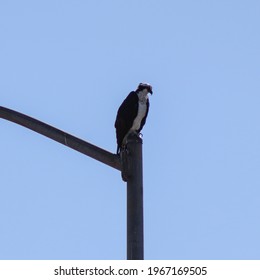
{"type": "Point", "coordinates": [71, 64]}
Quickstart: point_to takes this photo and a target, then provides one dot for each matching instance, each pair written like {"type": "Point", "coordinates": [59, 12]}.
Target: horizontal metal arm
{"type": "Point", "coordinates": [62, 137]}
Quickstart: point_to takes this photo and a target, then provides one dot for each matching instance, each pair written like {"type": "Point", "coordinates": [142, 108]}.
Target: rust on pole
{"type": "Point", "coordinates": [62, 137]}
{"type": "Point", "coordinates": [135, 232]}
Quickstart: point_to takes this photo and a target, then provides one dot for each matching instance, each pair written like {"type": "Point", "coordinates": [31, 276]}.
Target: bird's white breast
{"type": "Point", "coordinates": [142, 107]}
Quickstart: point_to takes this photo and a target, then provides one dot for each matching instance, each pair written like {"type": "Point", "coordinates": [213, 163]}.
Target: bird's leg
{"type": "Point", "coordinates": [130, 132]}
{"type": "Point", "coordinates": [124, 142]}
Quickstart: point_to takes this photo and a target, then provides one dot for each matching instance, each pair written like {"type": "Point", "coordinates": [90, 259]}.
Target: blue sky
{"type": "Point", "coordinates": [71, 64]}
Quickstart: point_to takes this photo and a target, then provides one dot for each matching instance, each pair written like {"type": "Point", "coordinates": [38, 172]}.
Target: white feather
{"type": "Point", "coordinates": [142, 108]}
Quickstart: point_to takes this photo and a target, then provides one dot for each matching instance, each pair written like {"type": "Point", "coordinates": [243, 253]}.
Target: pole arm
{"type": "Point", "coordinates": [62, 137]}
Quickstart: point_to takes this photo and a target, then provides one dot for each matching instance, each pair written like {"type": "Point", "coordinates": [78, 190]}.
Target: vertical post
{"type": "Point", "coordinates": [135, 235]}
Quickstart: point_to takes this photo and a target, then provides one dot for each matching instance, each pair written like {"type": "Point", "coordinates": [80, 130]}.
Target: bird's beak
{"type": "Point", "coordinates": [150, 90]}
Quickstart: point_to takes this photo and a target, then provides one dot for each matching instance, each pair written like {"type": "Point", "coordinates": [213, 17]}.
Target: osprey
{"type": "Point", "coordinates": [132, 113]}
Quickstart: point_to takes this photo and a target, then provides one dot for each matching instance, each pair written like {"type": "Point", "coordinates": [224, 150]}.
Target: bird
{"type": "Point", "coordinates": [132, 113]}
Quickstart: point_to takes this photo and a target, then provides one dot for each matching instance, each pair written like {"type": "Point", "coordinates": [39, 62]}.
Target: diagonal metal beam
{"type": "Point", "coordinates": [62, 137]}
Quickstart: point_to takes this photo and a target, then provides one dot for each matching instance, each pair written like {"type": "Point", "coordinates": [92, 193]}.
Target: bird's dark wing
{"type": "Point", "coordinates": [144, 119]}
{"type": "Point", "coordinates": [125, 117]}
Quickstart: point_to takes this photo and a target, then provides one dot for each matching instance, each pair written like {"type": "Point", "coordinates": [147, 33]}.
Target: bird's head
{"type": "Point", "coordinates": [146, 86]}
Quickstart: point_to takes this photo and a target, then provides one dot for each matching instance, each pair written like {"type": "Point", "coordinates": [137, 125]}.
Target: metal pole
{"type": "Point", "coordinates": [62, 137]}
{"type": "Point", "coordinates": [135, 235]}
{"type": "Point", "coordinates": [131, 167]}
